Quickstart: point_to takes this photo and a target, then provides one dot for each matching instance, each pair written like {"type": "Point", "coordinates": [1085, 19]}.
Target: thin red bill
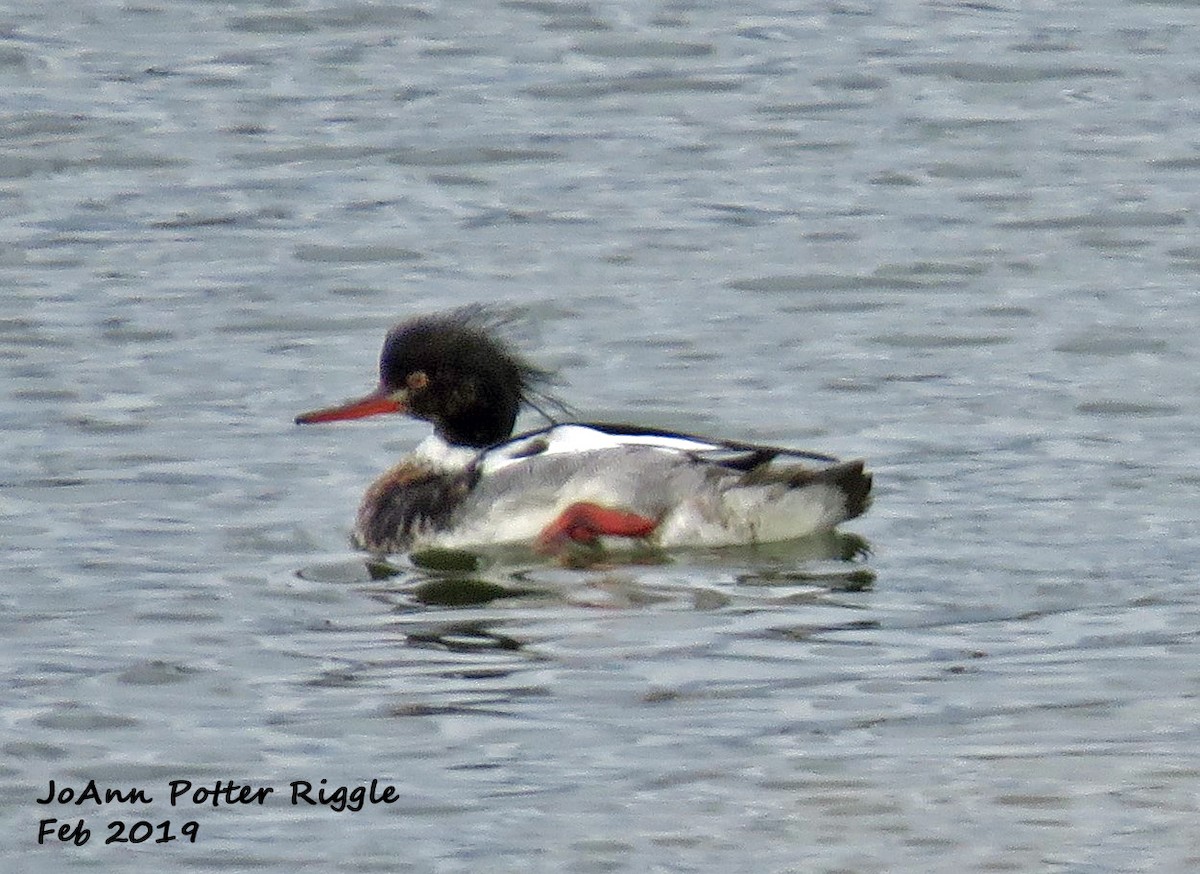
{"type": "Point", "coordinates": [372, 405]}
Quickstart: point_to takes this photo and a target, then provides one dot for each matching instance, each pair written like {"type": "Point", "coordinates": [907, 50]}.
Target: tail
{"type": "Point", "coordinates": [846, 478]}
{"type": "Point", "coordinates": [767, 503]}
{"type": "Point", "coordinates": [852, 481]}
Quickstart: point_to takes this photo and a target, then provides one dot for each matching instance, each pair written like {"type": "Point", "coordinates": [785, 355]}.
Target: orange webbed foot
{"type": "Point", "coordinates": [586, 522]}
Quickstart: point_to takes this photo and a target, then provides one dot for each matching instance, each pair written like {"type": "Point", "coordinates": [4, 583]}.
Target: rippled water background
{"type": "Point", "coordinates": [957, 239]}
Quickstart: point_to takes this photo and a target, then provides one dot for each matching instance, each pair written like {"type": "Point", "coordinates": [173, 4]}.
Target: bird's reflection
{"type": "Point", "coordinates": [430, 592]}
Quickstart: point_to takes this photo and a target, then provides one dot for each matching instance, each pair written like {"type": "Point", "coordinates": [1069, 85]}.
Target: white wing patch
{"type": "Point", "coordinates": [580, 438]}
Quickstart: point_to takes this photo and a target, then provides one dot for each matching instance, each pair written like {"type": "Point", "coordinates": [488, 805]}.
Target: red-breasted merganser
{"type": "Point", "coordinates": [472, 483]}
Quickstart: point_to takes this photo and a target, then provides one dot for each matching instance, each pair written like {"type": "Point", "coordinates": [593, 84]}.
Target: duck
{"type": "Point", "coordinates": [473, 483]}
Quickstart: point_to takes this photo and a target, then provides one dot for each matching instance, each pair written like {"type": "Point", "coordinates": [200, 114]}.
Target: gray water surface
{"type": "Point", "coordinates": [959, 240]}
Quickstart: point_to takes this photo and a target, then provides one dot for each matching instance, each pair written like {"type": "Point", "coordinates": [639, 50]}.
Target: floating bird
{"type": "Point", "coordinates": [472, 483]}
